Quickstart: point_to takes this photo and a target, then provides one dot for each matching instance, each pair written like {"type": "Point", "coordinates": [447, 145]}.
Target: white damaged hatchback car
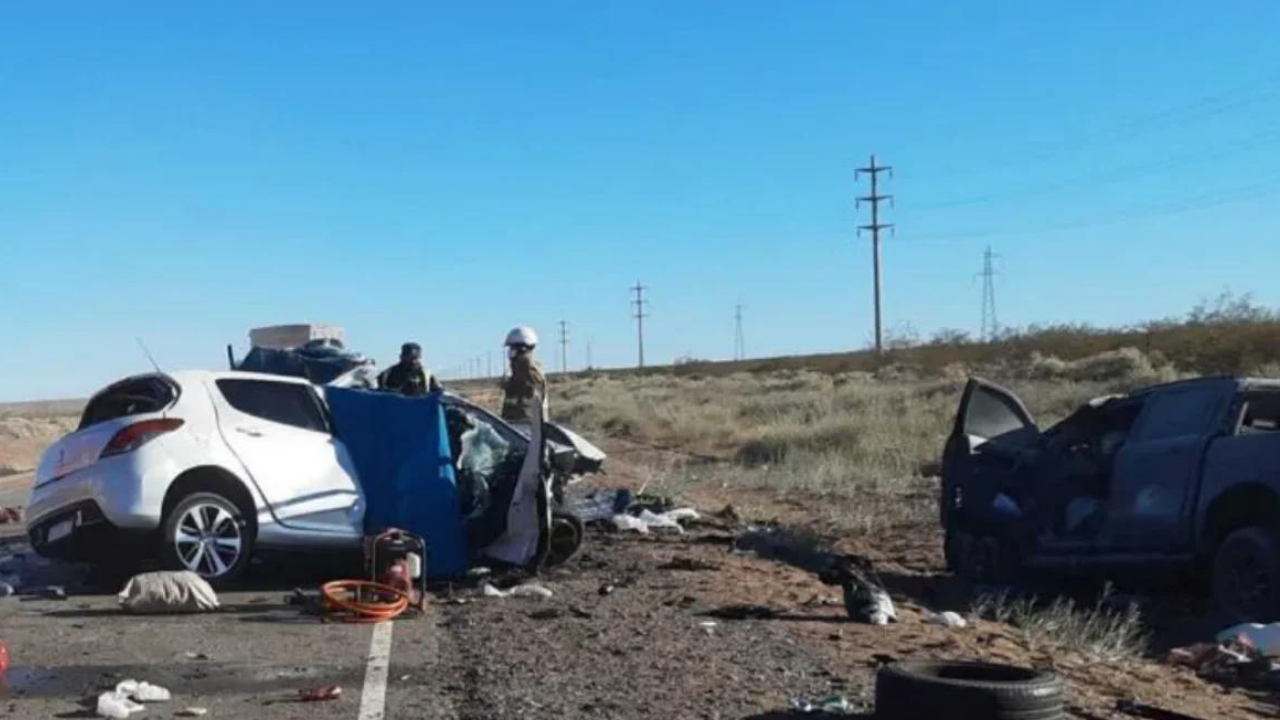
{"type": "Point", "coordinates": [201, 466]}
{"type": "Point", "coordinates": [203, 470]}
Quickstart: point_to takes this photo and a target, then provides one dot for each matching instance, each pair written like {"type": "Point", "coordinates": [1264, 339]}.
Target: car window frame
{"type": "Point", "coordinates": [1152, 409]}
{"type": "Point", "coordinates": [320, 407]}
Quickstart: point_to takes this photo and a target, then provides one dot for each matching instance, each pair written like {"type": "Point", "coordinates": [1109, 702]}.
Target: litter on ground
{"type": "Point", "coordinates": [320, 694]}
{"type": "Point", "coordinates": [648, 520]}
{"type": "Point", "coordinates": [527, 590]}
{"type": "Point", "coordinates": [1265, 638]}
{"type": "Point", "coordinates": [828, 705]}
{"type": "Point", "coordinates": [865, 599]}
{"type": "Point", "coordinates": [166, 592]}
{"type": "Point", "coordinates": [126, 699]}
{"type": "Point", "coordinates": [948, 619]}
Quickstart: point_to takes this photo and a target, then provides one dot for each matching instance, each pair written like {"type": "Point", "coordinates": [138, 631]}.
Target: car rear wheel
{"type": "Point", "coordinates": [566, 539]}
{"type": "Point", "coordinates": [1246, 575]}
{"type": "Point", "coordinates": [208, 535]}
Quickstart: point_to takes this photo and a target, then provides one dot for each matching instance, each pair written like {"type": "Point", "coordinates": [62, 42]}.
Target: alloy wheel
{"type": "Point", "coordinates": [208, 540]}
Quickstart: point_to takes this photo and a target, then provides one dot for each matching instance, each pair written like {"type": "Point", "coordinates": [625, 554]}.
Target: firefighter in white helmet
{"type": "Point", "coordinates": [527, 383]}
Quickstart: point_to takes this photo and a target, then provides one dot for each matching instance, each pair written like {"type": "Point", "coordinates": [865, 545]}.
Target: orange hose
{"type": "Point", "coordinates": [344, 598]}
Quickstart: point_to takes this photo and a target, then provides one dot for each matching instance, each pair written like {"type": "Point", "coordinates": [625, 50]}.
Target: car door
{"type": "Point", "coordinates": [988, 413]}
{"type": "Point", "coordinates": [529, 511]}
{"type": "Point", "coordinates": [1153, 481]}
{"type": "Point", "coordinates": [280, 432]}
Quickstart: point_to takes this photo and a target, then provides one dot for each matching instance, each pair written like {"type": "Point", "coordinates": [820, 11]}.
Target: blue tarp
{"type": "Point", "coordinates": [401, 450]}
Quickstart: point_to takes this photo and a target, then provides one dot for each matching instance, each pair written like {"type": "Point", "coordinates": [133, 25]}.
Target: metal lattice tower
{"type": "Point", "coordinates": [990, 325]}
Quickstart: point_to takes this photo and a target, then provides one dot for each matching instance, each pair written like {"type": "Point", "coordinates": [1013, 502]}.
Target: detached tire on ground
{"type": "Point", "coordinates": [1246, 575]}
{"type": "Point", "coordinates": [209, 535]}
{"type": "Point", "coordinates": [567, 532]}
{"type": "Point", "coordinates": [972, 691]}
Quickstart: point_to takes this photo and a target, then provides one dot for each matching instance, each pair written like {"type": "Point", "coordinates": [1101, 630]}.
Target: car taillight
{"type": "Point", "coordinates": [138, 434]}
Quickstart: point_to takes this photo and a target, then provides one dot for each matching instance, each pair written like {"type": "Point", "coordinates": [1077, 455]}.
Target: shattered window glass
{"type": "Point", "coordinates": [484, 452]}
{"type": "Point", "coordinates": [1261, 414]}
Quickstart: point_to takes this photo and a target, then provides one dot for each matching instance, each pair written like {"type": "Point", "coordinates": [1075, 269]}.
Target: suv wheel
{"type": "Point", "coordinates": [1246, 575]}
{"type": "Point", "coordinates": [208, 535]}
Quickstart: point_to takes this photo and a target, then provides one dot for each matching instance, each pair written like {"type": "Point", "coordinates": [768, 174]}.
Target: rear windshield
{"type": "Point", "coordinates": [135, 396]}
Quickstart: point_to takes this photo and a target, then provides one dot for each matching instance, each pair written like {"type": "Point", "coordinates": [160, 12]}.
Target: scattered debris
{"type": "Point", "coordinates": [648, 520]}
{"type": "Point", "coordinates": [311, 602]}
{"type": "Point", "coordinates": [195, 656]}
{"type": "Point", "coordinates": [320, 694]}
{"type": "Point", "coordinates": [865, 599]}
{"type": "Point", "coordinates": [527, 590]}
{"type": "Point", "coordinates": [727, 514]}
{"type": "Point", "coordinates": [143, 691]}
{"type": "Point", "coordinates": [598, 505]}
{"type": "Point", "coordinates": [168, 592]}
{"type": "Point", "coordinates": [53, 592]}
{"type": "Point", "coordinates": [605, 590]}
{"type": "Point", "coordinates": [550, 613]}
{"type": "Point", "coordinates": [530, 590]}
{"type": "Point", "coordinates": [1151, 712]}
{"type": "Point", "coordinates": [192, 712]}
{"type": "Point", "coordinates": [1265, 638]}
{"type": "Point", "coordinates": [947, 619]}
{"type": "Point", "coordinates": [623, 522]}
{"type": "Point", "coordinates": [126, 699]}
{"type": "Point", "coordinates": [10, 515]}
{"type": "Point", "coordinates": [1233, 661]}
{"type": "Point", "coordinates": [709, 626]}
{"type": "Point", "coordinates": [829, 705]}
{"type": "Point", "coordinates": [4, 659]}
{"type": "Point", "coordinates": [820, 601]}
{"type": "Point", "coordinates": [6, 589]}
{"type": "Point", "coordinates": [579, 613]}
{"type": "Point", "coordinates": [115, 705]}
{"type": "Point", "coordinates": [688, 564]}
{"type": "Point", "coordinates": [743, 612]}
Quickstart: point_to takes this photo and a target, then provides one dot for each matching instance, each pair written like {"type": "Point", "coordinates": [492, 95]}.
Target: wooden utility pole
{"type": "Point", "coordinates": [564, 346]}
{"type": "Point", "coordinates": [875, 227]}
{"type": "Point", "coordinates": [739, 341]}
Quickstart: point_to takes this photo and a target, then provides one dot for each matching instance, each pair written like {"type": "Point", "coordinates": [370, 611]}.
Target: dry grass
{"type": "Point", "coordinates": [875, 436]}
{"type": "Point", "coordinates": [1095, 632]}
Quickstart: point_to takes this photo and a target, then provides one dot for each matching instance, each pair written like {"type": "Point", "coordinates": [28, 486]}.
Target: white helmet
{"type": "Point", "coordinates": [522, 335]}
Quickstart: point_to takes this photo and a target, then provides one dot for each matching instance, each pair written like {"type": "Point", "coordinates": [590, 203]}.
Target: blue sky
{"type": "Point", "coordinates": [182, 172]}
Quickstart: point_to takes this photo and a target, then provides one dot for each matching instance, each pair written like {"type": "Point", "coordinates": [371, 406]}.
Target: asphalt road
{"type": "Point", "coordinates": [621, 638]}
{"type": "Point", "coordinates": [13, 489]}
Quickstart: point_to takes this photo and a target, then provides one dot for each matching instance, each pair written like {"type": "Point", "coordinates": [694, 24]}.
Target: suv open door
{"type": "Point", "coordinates": [989, 415]}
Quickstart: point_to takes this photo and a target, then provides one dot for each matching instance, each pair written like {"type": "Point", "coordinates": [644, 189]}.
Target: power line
{"type": "Point", "coordinates": [875, 227]}
{"type": "Point", "coordinates": [589, 365]}
{"type": "Point", "coordinates": [564, 347]}
{"type": "Point", "coordinates": [639, 303]}
{"type": "Point", "coordinates": [990, 325]}
{"type": "Point", "coordinates": [1119, 174]}
{"type": "Point", "coordinates": [1196, 202]}
{"type": "Point", "coordinates": [1198, 109]}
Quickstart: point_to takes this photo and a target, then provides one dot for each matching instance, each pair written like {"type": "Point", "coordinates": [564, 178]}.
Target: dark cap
{"type": "Point", "coordinates": [410, 348]}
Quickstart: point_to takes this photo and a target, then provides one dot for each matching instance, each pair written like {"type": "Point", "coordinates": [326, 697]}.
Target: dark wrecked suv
{"type": "Point", "coordinates": [1177, 478]}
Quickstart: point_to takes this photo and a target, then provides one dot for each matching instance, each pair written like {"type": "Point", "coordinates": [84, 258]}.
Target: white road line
{"type": "Point", "coordinates": [373, 698]}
